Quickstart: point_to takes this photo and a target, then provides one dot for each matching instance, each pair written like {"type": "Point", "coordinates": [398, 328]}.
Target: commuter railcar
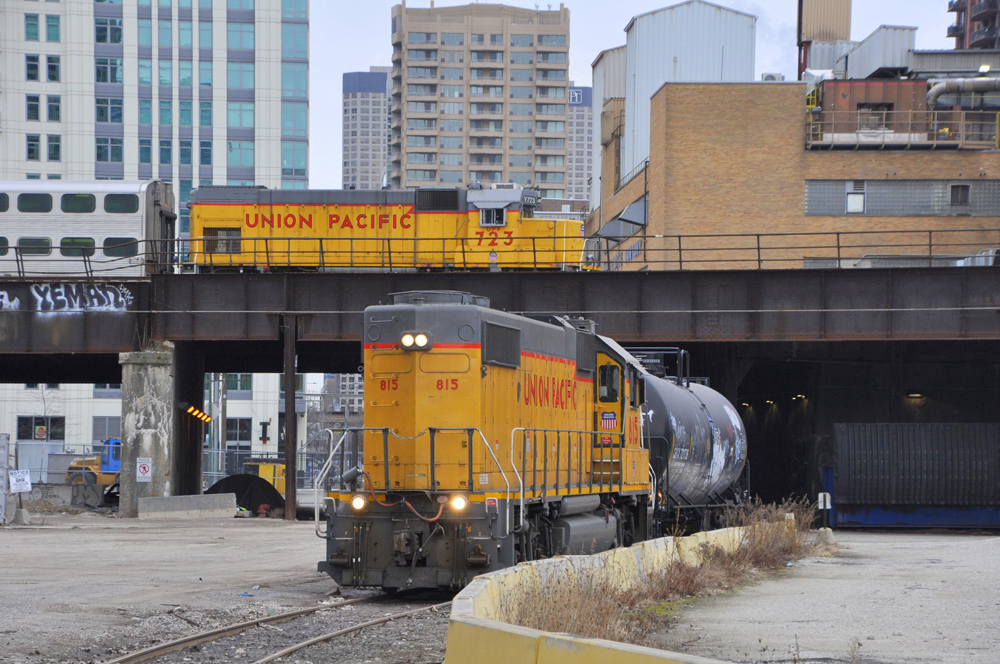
{"type": "Point", "coordinates": [491, 438]}
{"type": "Point", "coordinates": [448, 228]}
{"type": "Point", "coordinates": [94, 228]}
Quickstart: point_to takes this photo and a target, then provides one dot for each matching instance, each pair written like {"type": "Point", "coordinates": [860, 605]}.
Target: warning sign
{"type": "Point", "coordinates": [20, 481]}
{"type": "Point", "coordinates": [144, 469]}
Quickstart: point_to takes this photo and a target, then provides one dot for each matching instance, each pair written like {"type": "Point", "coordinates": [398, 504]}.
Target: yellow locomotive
{"type": "Point", "coordinates": [489, 439]}
{"type": "Point", "coordinates": [427, 228]}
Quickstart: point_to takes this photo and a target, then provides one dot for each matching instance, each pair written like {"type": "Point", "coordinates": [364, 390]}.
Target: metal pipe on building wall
{"type": "Point", "coordinates": [959, 85]}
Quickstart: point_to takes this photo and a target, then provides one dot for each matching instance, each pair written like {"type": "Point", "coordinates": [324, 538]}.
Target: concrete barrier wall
{"type": "Point", "coordinates": [476, 634]}
{"type": "Point", "coordinates": [208, 506]}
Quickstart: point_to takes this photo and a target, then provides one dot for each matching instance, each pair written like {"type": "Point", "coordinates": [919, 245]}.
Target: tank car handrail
{"type": "Point", "coordinates": [321, 479]}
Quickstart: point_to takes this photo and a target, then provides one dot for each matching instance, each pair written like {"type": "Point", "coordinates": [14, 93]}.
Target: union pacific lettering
{"type": "Point", "coordinates": [364, 221]}
{"type": "Point", "coordinates": [550, 392]}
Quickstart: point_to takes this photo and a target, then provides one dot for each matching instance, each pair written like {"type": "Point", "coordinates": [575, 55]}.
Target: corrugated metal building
{"type": "Point", "coordinates": [824, 20]}
{"type": "Point", "coordinates": [695, 41]}
{"type": "Point", "coordinates": [609, 82]}
{"type": "Point", "coordinates": [826, 55]}
{"type": "Point", "coordinates": [931, 64]}
{"type": "Point", "coordinates": [887, 48]}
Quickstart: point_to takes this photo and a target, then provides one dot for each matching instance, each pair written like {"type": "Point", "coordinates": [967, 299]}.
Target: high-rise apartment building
{"type": "Point", "coordinates": [189, 91]}
{"type": "Point", "coordinates": [579, 143]}
{"type": "Point", "coordinates": [479, 94]}
{"type": "Point", "coordinates": [366, 128]}
{"type": "Point", "coordinates": [977, 23]}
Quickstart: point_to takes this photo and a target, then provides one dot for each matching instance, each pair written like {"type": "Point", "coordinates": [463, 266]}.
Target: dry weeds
{"type": "Point", "coordinates": [595, 608]}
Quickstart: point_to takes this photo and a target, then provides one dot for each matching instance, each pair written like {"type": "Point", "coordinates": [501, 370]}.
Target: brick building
{"type": "Point", "coordinates": [747, 165]}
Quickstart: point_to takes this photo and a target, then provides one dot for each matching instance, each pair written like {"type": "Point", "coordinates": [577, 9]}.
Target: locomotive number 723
{"type": "Point", "coordinates": [493, 236]}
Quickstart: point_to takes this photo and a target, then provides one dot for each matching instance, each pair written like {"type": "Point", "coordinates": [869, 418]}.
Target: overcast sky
{"type": "Point", "coordinates": [352, 35]}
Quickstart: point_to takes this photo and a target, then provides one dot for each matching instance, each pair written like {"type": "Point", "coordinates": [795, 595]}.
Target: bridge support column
{"type": "Point", "coordinates": [291, 418]}
{"type": "Point", "coordinates": [147, 426]}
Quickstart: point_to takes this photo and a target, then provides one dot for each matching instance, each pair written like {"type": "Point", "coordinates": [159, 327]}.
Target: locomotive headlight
{"type": "Point", "coordinates": [421, 340]}
{"type": "Point", "coordinates": [358, 502]}
{"type": "Point", "coordinates": [459, 503]}
{"type": "Point", "coordinates": [407, 340]}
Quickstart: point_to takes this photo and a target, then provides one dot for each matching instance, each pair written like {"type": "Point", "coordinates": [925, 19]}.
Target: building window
{"type": "Point", "coordinates": [293, 120]}
{"type": "Point", "coordinates": [107, 391]}
{"type": "Point", "coordinates": [109, 31]}
{"type": "Point", "coordinates": [205, 155]}
{"type": "Point", "coordinates": [41, 428]}
{"type": "Point", "coordinates": [293, 158]}
{"type": "Point", "coordinates": [166, 112]}
{"type": "Point", "coordinates": [522, 41]}
{"type": "Point", "coordinates": [184, 37]}
{"type": "Point", "coordinates": [856, 197]}
{"type": "Point", "coordinates": [109, 426]}
{"type": "Point", "coordinates": [52, 28]}
{"type": "Point", "coordinates": [166, 151]}
{"type": "Point", "coordinates": [52, 68]}
{"type": "Point", "coordinates": [109, 110]}
{"type": "Point", "coordinates": [961, 194]}
{"type": "Point", "coordinates": [205, 74]}
{"type": "Point", "coordinates": [54, 107]}
{"type": "Point", "coordinates": [239, 432]}
{"type": "Point", "coordinates": [239, 385]}
{"type": "Point", "coordinates": [33, 147]}
{"type": "Point", "coordinates": [240, 153]}
{"type": "Point", "coordinates": [452, 39]}
{"type": "Point", "coordinates": [31, 27]}
{"type": "Point", "coordinates": [185, 77]}
{"type": "Point", "coordinates": [165, 29]}
{"type": "Point", "coordinates": [33, 107]}
{"type": "Point", "coordinates": [109, 70]}
{"type": "Point", "coordinates": [109, 150]}
{"type": "Point", "coordinates": [145, 151]}
{"type": "Point", "coordinates": [294, 79]}
{"type": "Point", "coordinates": [240, 75]}
{"type": "Point", "coordinates": [145, 72]}
{"type": "Point", "coordinates": [185, 149]}
{"type": "Point", "coordinates": [294, 9]}
{"type": "Point", "coordinates": [186, 113]}
{"type": "Point", "coordinates": [145, 32]}
{"type": "Point", "coordinates": [55, 147]}
{"type": "Point", "coordinates": [245, 5]}
{"type": "Point", "coordinates": [551, 40]}
{"type": "Point", "coordinates": [205, 114]}
{"type": "Point", "coordinates": [145, 111]}
{"type": "Point", "coordinates": [204, 35]}
{"type": "Point", "coordinates": [166, 72]}
{"type": "Point", "coordinates": [239, 36]}
{"type": "Point", "coordinates": [240, 114]}
{"type": "Point", "coordinates": [31, 67]}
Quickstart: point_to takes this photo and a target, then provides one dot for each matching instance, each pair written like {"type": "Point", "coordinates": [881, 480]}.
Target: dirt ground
{"type": "Point", "coordinates": [886, 597]}
{"type": "Point", "coordinates": [83, 587]}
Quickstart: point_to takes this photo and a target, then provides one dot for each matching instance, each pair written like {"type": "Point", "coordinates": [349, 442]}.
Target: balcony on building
{"type": "Point", "coordinates": [956, 30]}
{"type": "Point", "coordinates": [983, 38]}
{"type": "Point", "coordinates": [984, 9]}
{"type": "Point", "coordinates": [958, 5]}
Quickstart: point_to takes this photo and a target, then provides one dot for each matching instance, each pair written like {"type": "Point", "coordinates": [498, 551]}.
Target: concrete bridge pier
{"type": "Point", "coordinates": [161, 442]}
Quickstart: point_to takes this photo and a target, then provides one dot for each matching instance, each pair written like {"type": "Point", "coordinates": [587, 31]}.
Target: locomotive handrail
{"type": "Point", "coordinates": [520, 480]}
{"type": "Point", "coordinates": [321, 480]}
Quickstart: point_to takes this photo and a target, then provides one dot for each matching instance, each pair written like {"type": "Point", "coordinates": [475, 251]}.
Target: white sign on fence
{"type": "Point", "coordinates": [144, 469]}
{"type": "Point", "coordinates": [20, 481]}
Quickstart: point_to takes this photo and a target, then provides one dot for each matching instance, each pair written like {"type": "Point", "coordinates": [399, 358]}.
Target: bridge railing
{"type": "Point", "coordinates": [742, 251]}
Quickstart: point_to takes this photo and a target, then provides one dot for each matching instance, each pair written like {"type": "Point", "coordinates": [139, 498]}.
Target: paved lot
{"type": "Point", "coordinates": [903, 597]}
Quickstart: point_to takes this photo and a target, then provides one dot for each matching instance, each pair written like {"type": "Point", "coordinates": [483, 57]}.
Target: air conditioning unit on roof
{"type": "Point", "coordinates": [772, 77]}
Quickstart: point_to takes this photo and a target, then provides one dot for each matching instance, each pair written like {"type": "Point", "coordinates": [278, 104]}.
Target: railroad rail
{"type": "Point", "coordinates": [192, 640]}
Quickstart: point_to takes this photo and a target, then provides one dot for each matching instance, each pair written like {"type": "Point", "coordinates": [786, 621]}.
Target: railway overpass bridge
{"type": "Point", "coordinates": [158, 336]}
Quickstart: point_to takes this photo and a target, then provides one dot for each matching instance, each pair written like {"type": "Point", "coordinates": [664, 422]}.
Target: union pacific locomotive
{"type": "Point", "coordinates": [492, 438]}
{"type": "Point", "coordinates": [442, 228]}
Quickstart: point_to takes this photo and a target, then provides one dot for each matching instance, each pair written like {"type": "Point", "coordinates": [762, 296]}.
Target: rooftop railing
{"type": "Point", "coordinates": [970, 130]}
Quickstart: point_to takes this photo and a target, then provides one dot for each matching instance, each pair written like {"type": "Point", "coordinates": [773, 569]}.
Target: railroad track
{"type": "Point", "coordinates": [163, 649]}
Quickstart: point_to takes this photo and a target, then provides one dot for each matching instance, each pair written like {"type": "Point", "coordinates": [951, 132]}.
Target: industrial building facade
{"type": "Point", "coordinates": [479, 94]}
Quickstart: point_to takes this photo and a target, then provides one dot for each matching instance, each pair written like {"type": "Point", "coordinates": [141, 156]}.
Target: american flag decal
{"type": "Point", "coordinates": [609, 421]}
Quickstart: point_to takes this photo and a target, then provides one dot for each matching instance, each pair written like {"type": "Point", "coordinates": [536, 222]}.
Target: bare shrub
{"type": "Point", "coordinates": [588, 605]}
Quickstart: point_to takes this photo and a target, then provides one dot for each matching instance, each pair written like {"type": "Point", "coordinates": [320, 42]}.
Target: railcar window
{"type": "Point", "coordinates": [78, 203]}
{"type": "Point", "coordinates": [34, 203]}
{"type": "Point", "coordinates": [34, 246]}
{"type": "Point", "coordinates": [4, 202]}
{"type": "Point", "coordinates": [445, 200]}
{"type": "Point", "coordinates": [609, 376]}
{"type": "Point", "coordinates": [118, 247]}
{"type": "Point", "coordinates": [3, 246]}
{"type": "Point", "coordinates": [76, 246]}
{"type": "Point", "coordinates": [121, 203]}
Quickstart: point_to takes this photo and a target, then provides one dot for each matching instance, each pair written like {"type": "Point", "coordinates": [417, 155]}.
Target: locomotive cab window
{"type": "Point", "coordinates": [121, 203]}
{"type": "Point", "coordinates": [493, 217]}
{"type": "Point", "coordinates": [634, 389]}
{"type": "Point", "coordinates": [608, 378]}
